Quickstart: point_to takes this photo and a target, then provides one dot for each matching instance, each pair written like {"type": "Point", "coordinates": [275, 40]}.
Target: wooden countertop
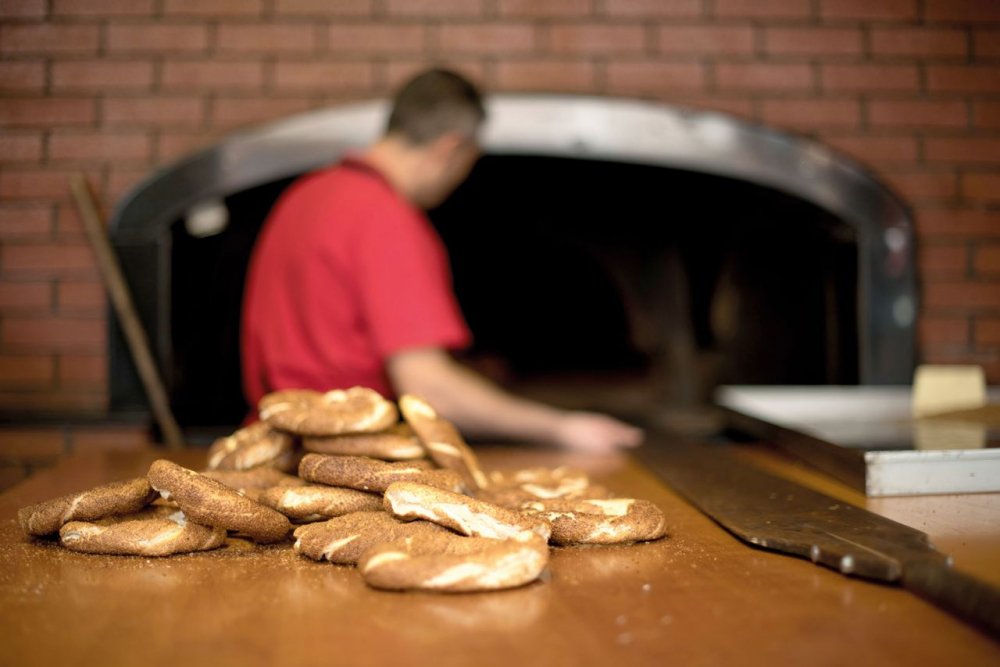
{"type": "Point", "coordinates": [698, 597]}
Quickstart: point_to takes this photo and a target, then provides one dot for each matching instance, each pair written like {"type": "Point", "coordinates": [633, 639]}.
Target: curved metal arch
{"type": "Point", "coordinates": [579, 127]}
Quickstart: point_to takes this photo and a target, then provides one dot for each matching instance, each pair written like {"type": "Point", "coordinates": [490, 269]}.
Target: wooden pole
{"type": "Point", "coordinates": [121, 301]}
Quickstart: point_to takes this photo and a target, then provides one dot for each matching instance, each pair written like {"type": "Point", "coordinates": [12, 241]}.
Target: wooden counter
{"type": "Point", "coordinates": [698, 597]}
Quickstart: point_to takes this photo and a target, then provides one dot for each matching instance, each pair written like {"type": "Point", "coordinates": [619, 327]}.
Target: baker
{"type": "Point", "coordinates": [349, 284]}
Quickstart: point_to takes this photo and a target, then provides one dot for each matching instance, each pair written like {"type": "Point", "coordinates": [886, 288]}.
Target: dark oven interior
{"type": "Point", "coordinates": [587, 283]}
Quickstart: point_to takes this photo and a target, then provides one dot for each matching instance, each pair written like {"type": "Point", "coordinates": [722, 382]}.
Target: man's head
{"type": "Point", "coordinates": [437, 116]}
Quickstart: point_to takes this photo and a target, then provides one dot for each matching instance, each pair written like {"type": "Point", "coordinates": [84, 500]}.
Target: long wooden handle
{"type": "Point", "coordinates": [121, 300]}
{"type": "Point", "coordinates": [937, 582]}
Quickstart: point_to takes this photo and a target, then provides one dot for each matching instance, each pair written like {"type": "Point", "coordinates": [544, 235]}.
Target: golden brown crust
{"type": "Point", "coordinates": [600, 521]}
{"type": "Point", "coordinates": [454, 564]}
{"type": "Point", "coordinates": [258, 478]}
{"type": "Point", "coordinates": [342, 540]}
{"type": "Point", "coordinates": [364, 474]}
{"type": "Point", "coordinates": [46, 518]}
{"type": "Point", "coordinates": [310, 413]}
{"type": "Point", "coordinates": [319, 502]}
{"type": "Point", "coordinates": [468, 516]}
{"type": "Point", "coordinates": [255, 446]}
{"type": "Point", "coordinates": [548, 483]}
{"type": "Point", "coordinates": [155, 532]}
{"type": "Point", "coordinates": [398, 443]}
{"type": "Point", "coordinates": [443, 442]}
{"type": "Point", "coordinates": [212, 503]}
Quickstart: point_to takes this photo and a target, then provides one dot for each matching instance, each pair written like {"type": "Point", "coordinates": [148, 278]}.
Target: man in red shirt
{"type": "Point", "coordinates": [349, 283]}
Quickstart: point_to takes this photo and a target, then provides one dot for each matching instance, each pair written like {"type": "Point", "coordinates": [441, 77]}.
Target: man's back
{"type": "Point", "coordinates": [345, 273]}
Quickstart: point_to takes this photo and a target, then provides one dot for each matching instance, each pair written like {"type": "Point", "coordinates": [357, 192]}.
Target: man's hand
{"type": "Point", "coordinates": [591, 432]}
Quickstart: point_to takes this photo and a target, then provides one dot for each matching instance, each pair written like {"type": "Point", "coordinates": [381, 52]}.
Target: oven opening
{"type": "Point", "coordinates": [586, 283]}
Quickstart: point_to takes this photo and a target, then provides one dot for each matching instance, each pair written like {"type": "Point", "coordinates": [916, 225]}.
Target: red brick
{"type": "Point", "coordinates": [987, 332]}
{"type": "Point", "coordinates": [869, 10]}
{"type": "Point", "coordinates": [881, 78]}
{"type": "Point", "coordinates": [958, 222]}
{"type": "Point", "coordinates": [597, 39]}
{"type": "Point", "coordinates": [66, 145]}
{"type": "Point", "coordinates": [237, 112]}
{"type": "Point", "coordinates": [535, 75]}
{"type": "Point", "coordinates": [953, 260]}
{"type": "Point", "coordinates": [26, 370]}
{"type": "Point", "coordinates": [53, 332]}
{"type": "Point", "coordinates": [961, 79]}
{"type": "Point", "coordinates": [735, 106]}
{"type": "Point", "coordinates": [953, 295]}
{"type": "Point", "coordinates": [487, 38]}
{"type": "Point", "coordinates": [213, 75]}
{"type": "Point", "coordinates": [356, 8]}
{"type": "Point", "coordinates": [102, 8]}
{"type": "Point", "coordinates": [971, 11]}
{"type": "Point", "coordinates": [987, 259]}
{"type": "Point", "coordinates": [101, 75]}
{"type": "Point", "coordinates": [89, 399]}
{"type": "Point", "coordinates": [811, 113]}
{"type": "Point", "coordinates": [83, 369]}
{"type": "Point", "coordinates": [158, 38]}
{"type": "Point", "coordinates": [986, 114]}
{"type": "Point", "coordinates": [121, 181]}
{"type": "Point", "coordinates": [921, 186]}
{"type": "Point", "coordinates": [375, 39]}
{"type": "Point", "coordinates": [123, 438]}
{"type": "Point", "coordinates": [434, 8]}
{"type": "Point", "coordinates": [266, 38]}
{"type": "Point", "coordinates": [22, 76]}
{"type": "Point", "coordinates": [651, 77]}
{"type": "Point", "coordinates": [763, 76]}
{"type": "Point", "coordinates": [213, 8]}
{"type": "Point", "coordinates": [46, 258]}
{"type": "Point", "coordinates": [398, 72]}
{"type": "Point", "coordinates": [22, 147]}
{"type": "Point", "coordinates": [25, 296]}
{"type": "Point", "coordinates": [74, 296]}
{"type": "Point", "coordinates": [31, 444]}
{"type": "Point", "coordinates": [539, 8]}
{"type": "Point", "coordinates": [764, 9]}
{"type": "Point", "coordinates": [966, 149]}
{"type": "Point", "coordinates": [876, 149]}
{"type": "Point", "coordinates": [812, 41]}
{"type": "Point", "coordinates": [34, 183]}
{"type": "Point", "coordinates": [46, 112]}
{"type": "Point", "coordinates": [158, 111]}
{"type": "Point", "coordinates": [22, 9]}
{"type": "Point", "coordinates": [20, 220]}
{"type": "Point", "coordinates": [941, 330]}
{"type": "Point", "coordinates": [920, 42]}
{"type": "Point", "coordinates": [48, 38]}
{"type": "Point", "coordinates": [917, 114]}
{"type": "Point", "coordinates": [981, 187]}
{"type": "Point", "coordinates": [652, 8]}
{"type": "Point", "coordinates": [323, 76]}
{"type": "Point", "coordinates": [705, 39]}
{"type": "Point", "coordinates": [986, 43]}
{"type": "Point", "coordinates": [175, 145]}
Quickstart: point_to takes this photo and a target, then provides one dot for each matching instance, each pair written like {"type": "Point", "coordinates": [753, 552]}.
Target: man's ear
{"type": "Point", "coordinates": [446, 145]}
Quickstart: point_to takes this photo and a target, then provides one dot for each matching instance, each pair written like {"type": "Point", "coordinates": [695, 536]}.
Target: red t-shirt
{"type": "Point", "coordinates": [345, 274]}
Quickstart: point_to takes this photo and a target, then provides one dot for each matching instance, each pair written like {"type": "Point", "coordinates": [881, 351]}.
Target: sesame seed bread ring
{"type": "Point", "coordinates": [212, 503]}
{"type": "Point", "coordinates": [306, 412]}
{"type": "Point", "coordinates": [454, 564]}
{"type": "Point", "coordinates": [363, 474]}
{"type": "Point", "coordinates": [149, 533]}
{"type": "Point", "coordinates": [258, 478]}
{"type": "Point", "coordinates": [600, 521]}
{"type": "Point", "coordinates": [318, 503]}
{"type": "Point", "coordinates": [344, 539]}
{"type": "Point", "coordinates": [398, 443]}
{"type": "Point", "coordinates": [257, 445]}
{"type": "Point", "coordinates": [468, 516]}
{"type": "Point", "coordinates": [443, 442]}
{"type": "Point", "coordinates": [548, 483]}
{"type": "Point", "coordinates": [48, 517]}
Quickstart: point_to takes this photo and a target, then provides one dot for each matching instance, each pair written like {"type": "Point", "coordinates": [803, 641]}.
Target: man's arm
{"type": "Point", "coordinates": [481, 409]}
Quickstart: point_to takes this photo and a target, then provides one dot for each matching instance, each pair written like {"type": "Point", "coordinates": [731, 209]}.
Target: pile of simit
{"type": "Point", "coordinates": [406, 502]}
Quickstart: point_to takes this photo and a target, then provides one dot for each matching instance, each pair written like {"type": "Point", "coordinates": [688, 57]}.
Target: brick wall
{"type": "Point", "coordinates": [116, 87]}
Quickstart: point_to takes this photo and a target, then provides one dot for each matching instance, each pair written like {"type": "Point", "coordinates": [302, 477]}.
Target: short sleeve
{"type": "Point", "coordinates": [405, 286]}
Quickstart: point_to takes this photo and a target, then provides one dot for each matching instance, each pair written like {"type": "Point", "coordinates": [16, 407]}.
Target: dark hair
{"type": "Point", "coordinates": [433, 103]}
